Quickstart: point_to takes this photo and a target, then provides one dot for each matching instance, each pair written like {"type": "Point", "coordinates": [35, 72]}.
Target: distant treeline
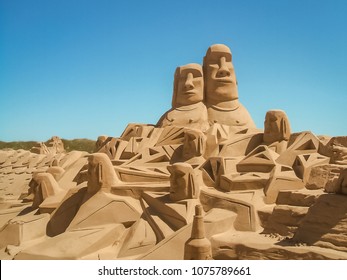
{"type": "Point", "coordinates": [69, 145]}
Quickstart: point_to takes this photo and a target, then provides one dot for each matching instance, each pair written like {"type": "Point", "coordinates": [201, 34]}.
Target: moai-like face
{"type": "Point", "coordinates": [100, 142]}
{"type": "Point", "coordinates": [101, 174]}
{"type": "Point", "coordinates": [276, 127]}
{"type": "Point", "coordinates": [188, 85]}
{"type": "Point", "coordinates": [219, 74]}
{"type": "Point", "coordinates": [182, 183]}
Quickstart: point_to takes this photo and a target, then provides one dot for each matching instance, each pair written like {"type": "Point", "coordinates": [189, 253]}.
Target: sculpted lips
{"type": "Point", "coordinates": [224, 80]}
{"type": "Point", "coordinates": [190, 92]}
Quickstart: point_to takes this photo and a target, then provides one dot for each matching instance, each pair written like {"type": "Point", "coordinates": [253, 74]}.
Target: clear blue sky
{"type": "Point", "coordinates": [80, 69]}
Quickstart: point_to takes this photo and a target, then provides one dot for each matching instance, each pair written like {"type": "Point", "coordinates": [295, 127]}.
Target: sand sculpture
{"type": "Point", "coordinates": [203, 183]}
{"type": "Point", "coordinates": [53, 146]}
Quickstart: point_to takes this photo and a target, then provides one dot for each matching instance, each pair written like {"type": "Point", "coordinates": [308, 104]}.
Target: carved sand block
{"type": "Point", "coordinates": [176, 214]}
{"type": "Point", "coordinates": [281, 178]}
{"type": "Point", "coordinates": [134, 138]}
{"type": "Point", "coordinates": [113, 148]}
{"type": "Point", "coordinates": [139, 240]}
{"type": "Point", "coordinates": [137, 130]}
{"type": "Point", "coordinates": [75, 244]}
{"type": "Point", "coordinates": [103, 208]}
{"type": "Point", "coordinates": [142, 174]}
{"type": "Point", "coordinates": [304, 163]}
{"type": "Point", "coordinates": [22, 230]}
{"type": "Point", "coordinates": [215, 221]}
{"type": "Point", "coordinates": [216, 167]}
{"type": "Point", "coordinates": [299, 143]}
{"type": "Point", "coordinates": [56, 171]}
{"type": "Point", "coordinates": [261, 159]}
{"type": "Point", "coordinates": [246, 181]}
{"type": "Point", "coordinates": [241, 203]}
{"type": "Point", "coordinates": [241, 145]}
{"type": "Point", "coordinates": [150, 165]}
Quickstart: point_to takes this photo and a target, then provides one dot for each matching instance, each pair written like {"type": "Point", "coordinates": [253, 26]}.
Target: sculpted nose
{"type": "Point", "coordinates": [189, 82]}
{"type": "Point", "coordinates": [223, 70]}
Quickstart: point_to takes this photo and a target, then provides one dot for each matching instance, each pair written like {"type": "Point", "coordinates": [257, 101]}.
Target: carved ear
{"type": "Point", "coordinates": [175, 87]}
{"type": "Point", "coordinates": [191, 186]}
{"type": "Point", "coordinates": [43, 188]}
{"type": "Point", "coordinates": [283, 128]}
{"type": "Point", "coordinates": [201, 146]}
{"type": "Point", "coordinates": [100, 178]}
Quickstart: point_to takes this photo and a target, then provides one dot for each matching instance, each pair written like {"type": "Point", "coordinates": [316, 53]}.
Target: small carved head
{"type": "Point", "coordinates": [276, 126]}
{"type": "Point", "coordinates": [101, 174]}
{"type": "Point", "coordinates": [183, 184]}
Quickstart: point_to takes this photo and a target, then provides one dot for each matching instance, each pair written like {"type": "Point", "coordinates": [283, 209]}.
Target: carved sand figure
{"type": "Point", "coordinates": [276, 130]}
{"type": "Point", "coordinates": [101, 175]}
{"type": "Point", "coordinates": [198, 247]}
{"type": "Point", "coordinates": [255, 194]}
{"type": "Point", "coordinates": [100, 142]}
{"type": "Point", "coordinates": [53, 146]}
{"type": "Point", "coordinates": [183, 183]}
{"type": "Point", "coordinates": [221, 93]}
{"type": "Point", "coordinates": [42, 186]}
{"type": "Point", "coordinates": [188, 109]}
{"type": "Point", "coordinates": [194, 147]}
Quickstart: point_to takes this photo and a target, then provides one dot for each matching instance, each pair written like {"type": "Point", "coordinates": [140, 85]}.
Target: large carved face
{"type": "Point", "coordinates": [276, 126]}
{"type": "Point", "coordinates": [188, 85]}
{"type": "Point", "coordinates": [220, 79]}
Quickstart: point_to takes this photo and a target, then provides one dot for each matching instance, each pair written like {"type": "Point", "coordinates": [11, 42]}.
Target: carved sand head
{"type": "Point", "coordinates": [194, 143]}
{"type": "Point", "coordinates": [57, 143]}
{"type": "Point", "coordinates": [219, 75]}
{"type": "Point", "coordinates": [100, 142]}
{"type": "Point", "coordinates": [182, 183]}
{"type": "Point", "coordinates": [101, 174]}
{"type": "Point", "coordinates": [276, 126]}
{"type": "Point", "coordinates": [188, 85]}
{"type": "Point", "coordinates": [42, 186]}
